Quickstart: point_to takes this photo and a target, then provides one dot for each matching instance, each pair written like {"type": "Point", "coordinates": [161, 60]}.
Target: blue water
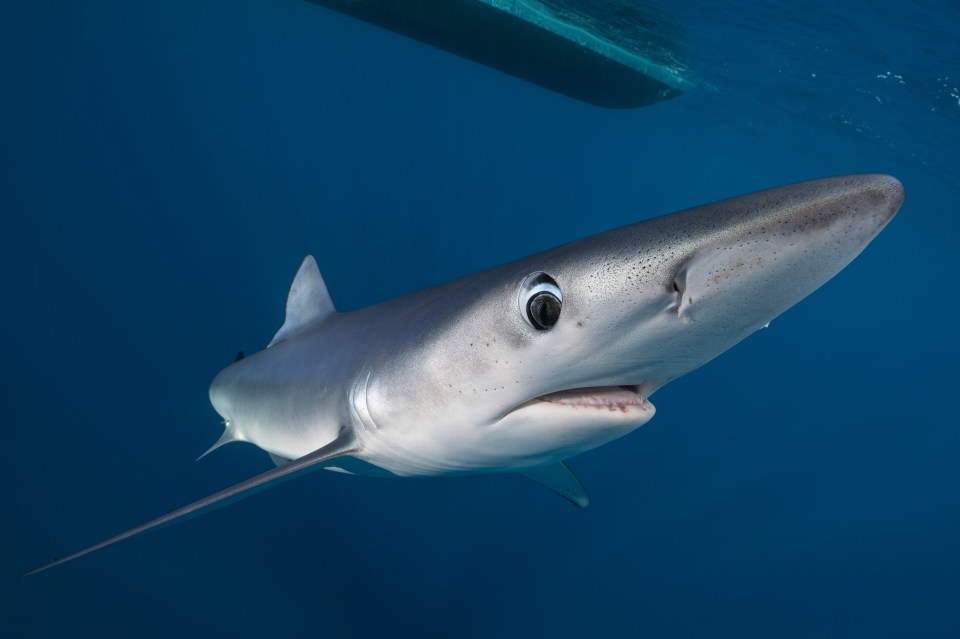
{"type": "Point", "coordinates": [166, 166]}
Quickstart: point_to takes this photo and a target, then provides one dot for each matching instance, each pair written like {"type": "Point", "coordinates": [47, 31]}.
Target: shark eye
{"type": "Point", "coordinates": [540, 301]}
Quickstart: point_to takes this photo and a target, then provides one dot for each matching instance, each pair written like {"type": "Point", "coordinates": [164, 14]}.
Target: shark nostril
{"type": "Point", "coordinates": [679, 287]}
{"type": "Point", "coordinates": [679, 283]}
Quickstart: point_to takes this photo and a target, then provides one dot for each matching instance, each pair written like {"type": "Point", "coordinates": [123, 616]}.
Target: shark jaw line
{"type": "Point", "coordinates": [624, 399]}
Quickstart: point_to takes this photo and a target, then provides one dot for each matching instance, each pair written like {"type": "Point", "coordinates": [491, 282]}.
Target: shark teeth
{"type": "Point", "coordinates": [609, 397]}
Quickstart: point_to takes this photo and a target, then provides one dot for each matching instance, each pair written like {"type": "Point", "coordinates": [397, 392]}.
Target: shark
{"type": "Point", "coordinates": [521, 367]}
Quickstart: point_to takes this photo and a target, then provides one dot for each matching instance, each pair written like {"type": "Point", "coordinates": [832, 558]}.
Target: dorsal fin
{"type": "Point", "coordinates": [307, 302]}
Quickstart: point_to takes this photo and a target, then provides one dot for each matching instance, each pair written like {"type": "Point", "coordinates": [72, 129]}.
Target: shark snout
{"type": "Point", "coordinates": [880, 196]}
{"type": "Point", "coordinates": [847, 213]}
{"type": "Point", "coordinates": [770, 260]}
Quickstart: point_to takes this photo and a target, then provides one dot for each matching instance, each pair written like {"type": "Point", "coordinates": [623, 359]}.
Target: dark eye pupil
{"type": "Point", "coordinates": [543, 309]}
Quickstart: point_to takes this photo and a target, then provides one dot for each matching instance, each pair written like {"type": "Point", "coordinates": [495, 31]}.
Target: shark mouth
{"type": "Point", "coordinates": [613, 398]}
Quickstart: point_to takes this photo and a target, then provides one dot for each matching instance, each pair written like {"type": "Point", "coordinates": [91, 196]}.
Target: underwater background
{"type": "Point", "coordinates": [166, 166]}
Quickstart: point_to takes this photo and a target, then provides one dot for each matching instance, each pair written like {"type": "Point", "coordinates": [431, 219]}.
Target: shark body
{"type": "Point", "coordinates": [522, 366]}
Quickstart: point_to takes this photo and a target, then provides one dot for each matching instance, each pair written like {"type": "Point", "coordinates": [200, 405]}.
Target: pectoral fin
{"type": "Point", "coordinates": [345, 444]}
{"type": "Point", "coordinates": [561, 480]}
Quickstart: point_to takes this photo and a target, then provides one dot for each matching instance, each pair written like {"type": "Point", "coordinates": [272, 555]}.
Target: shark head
{"type": "Point", "coordinates": [546, 357]}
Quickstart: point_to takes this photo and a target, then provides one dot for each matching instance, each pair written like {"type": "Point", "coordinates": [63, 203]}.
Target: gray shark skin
{"type": "Point", "coordinates": [522, 366]}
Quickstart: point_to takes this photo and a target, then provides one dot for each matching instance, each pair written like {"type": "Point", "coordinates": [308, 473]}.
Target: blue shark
{"type": "Point", "coordinates": [523, 366]}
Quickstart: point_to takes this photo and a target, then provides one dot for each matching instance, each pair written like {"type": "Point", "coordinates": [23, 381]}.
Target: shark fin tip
{"type": "Point", "coordinates": [560, 479]}
{"type": "Point", "coordinates": [227, 437]}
